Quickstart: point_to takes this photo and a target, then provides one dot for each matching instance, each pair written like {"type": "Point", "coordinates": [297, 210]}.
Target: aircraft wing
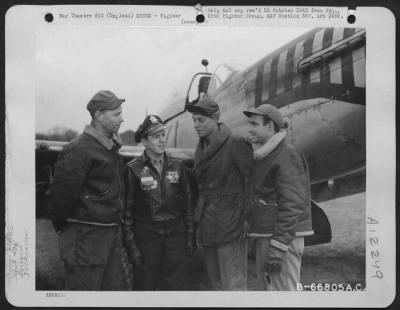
{"type": "Point", "coordinates": [43, 146]}
{"type": "Point", "coordinates": [47, 154]}
{"type": "Point", "coordinates": [344, 185]}
{"type": "Point", "coordinates": [186, 155]}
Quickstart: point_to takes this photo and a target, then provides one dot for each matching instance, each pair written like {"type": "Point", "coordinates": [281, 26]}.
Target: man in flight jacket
{"type": "Point", "coordinates": [280, 210]}
{"type": "Point", "coordinates": [222, 169]}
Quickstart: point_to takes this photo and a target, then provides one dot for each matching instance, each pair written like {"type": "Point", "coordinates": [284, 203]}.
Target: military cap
{"type": "Point", "coordinates": [151, 125]}
{"type": "Point", "coordinates": [269, 111]}
{"type": "Point", "coordinates": [205, 106]}
{"type": "Point", "coordinates": [103, 100]}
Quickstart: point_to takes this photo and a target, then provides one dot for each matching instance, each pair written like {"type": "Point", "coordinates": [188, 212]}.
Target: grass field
{"type": "Point", "coordinates": [341, 261]}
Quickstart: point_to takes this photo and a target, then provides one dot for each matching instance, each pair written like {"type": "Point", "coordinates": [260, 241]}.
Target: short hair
{"type": "Point", "coordinates": [216, 115]}
{"type": "Point", "coordinates": [266, 120]}
{"type": "Point", "coordinates": [93, 113]}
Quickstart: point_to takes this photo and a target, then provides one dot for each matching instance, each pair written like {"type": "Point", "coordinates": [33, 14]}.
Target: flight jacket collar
{"type": "Point", "coordinates": [108, 143]}
{"type": "Point", "coordinates": [265, 149]}
{"type": "Point", "coordinates": [216, 140]}
{"type": "Point", "coordinates": [145, 159]}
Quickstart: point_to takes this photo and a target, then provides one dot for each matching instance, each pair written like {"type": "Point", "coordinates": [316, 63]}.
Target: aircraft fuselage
{"type": "Point", "coordinates": [318, 83]}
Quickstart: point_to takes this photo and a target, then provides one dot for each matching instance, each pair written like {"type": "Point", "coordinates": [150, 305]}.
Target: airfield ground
{"type": "Point", "coordinates": [340, 262]}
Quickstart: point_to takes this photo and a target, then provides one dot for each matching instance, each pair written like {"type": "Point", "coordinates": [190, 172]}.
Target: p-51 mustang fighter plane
{"type": "Point", "coordinates": [318, 83]}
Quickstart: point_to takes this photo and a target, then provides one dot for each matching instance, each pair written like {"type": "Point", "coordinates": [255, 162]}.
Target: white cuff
{"type": "Point", "coordinates": [279, 245]}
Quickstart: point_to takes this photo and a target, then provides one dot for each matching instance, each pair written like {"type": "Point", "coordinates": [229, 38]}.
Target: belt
{"type": "Point", "coordinates": [92, 223]}
{"type": "Point", "coordinates": [160, 222]}
{"type": "Point", "coordinates": [161, 227]}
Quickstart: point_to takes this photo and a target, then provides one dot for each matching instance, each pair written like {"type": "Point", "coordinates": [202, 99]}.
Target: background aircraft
{"type": "Point", "coordinates": [317, 81]}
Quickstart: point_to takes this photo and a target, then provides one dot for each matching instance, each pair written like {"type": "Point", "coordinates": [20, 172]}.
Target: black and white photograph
{"type": "Point", "coordinates": [190, 159]}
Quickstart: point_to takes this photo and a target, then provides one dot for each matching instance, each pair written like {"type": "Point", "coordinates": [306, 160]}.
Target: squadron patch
{"type": "Point", "coordinates": [147, 181]}
{"type": "Point", "coordinates": [172, 176]}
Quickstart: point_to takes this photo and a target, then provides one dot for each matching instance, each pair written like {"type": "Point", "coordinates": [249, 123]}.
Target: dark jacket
{"type": "Point", "coordinates": [280, 195]}
{"type": "Point", "coordinates": [222, 173]}
{"type": "Point", "coordinates": [88, 183]}
{"type": "Point", "coordinates": [150, 196]}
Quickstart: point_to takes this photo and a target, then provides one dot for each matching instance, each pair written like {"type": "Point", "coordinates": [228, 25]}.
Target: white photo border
{"type": "Point", "coordinates": [26, 21]}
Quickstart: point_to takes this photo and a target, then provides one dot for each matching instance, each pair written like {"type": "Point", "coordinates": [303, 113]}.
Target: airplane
{"type": "Point", "coordinates": [316, 80]}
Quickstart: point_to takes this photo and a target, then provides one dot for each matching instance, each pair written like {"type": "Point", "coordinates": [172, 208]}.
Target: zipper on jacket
{"type": "Point", "coordinates": [165, 167]}
{"type": "Point", "coordinates": [160, 178]}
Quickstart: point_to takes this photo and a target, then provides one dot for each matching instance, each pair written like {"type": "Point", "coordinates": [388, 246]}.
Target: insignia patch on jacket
{"type": "Point", "coordinates": [172, 176]}
{"type": "Point", "coordinates": [147, 181]}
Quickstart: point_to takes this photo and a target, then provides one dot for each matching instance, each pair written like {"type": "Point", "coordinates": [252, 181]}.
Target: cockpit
{"type": "Point", "coordinates": [207, 84]}
{"type": "Point", "coordinates": [225, 72]}
{"type": "Point", "coordinates": [202, 85]}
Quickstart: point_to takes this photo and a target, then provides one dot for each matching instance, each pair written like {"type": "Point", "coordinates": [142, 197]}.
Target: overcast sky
{"type": "Point", "coordinates": [144, 65]}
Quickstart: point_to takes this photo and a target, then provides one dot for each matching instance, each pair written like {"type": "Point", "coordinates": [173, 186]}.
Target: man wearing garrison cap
{"type": "Point", "coordinates": [158, 219]}
{"type": "Point", "coordinates": [87, 202]}
{"type": "Point", "coordinates": [280, 210]}
{"type": "Point", "coordinates": [222, 169]}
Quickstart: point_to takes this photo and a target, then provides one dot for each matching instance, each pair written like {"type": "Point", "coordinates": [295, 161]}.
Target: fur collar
{"type": "Point", "coordinates": [265, 149]}
{"type": "Point", "coordinates": [108, 143]}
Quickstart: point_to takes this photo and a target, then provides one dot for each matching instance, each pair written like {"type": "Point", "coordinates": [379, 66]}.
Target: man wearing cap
{"type": "Point", "coordinates": [280, 209]}
{"type": "Point", "coordinates": [158, 219]}
{"type": "Point", "coordinates": [222, 169]}
{"type": "Point", "coordinates": [87, 202]}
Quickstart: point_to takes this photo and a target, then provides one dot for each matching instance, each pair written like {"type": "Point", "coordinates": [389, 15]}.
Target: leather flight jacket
{"type": "Point", "coordinates": [151, 197]}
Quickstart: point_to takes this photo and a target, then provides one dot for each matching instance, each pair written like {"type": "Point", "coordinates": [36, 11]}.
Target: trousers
{"type": "Point", "coordinates": [163, 248]}
{"type": "Point", "coordinates": [94, 258]}
{"type": "Point", "coordinates": [289, 276]}
{"type": "Point", "coordinates": [227, 265]}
